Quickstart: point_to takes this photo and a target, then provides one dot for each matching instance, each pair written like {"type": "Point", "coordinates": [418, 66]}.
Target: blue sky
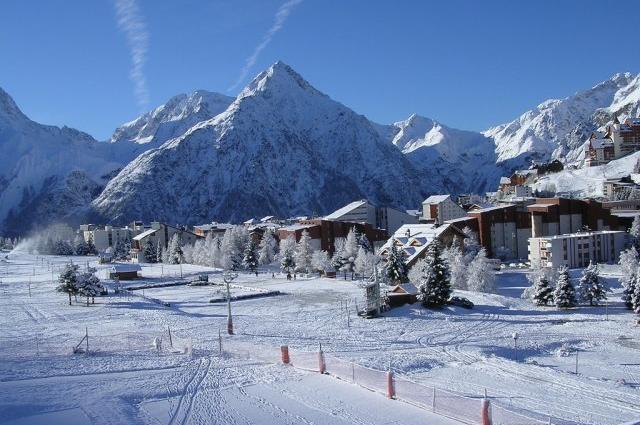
{"type": "Point", "coordinates": [469, 64]}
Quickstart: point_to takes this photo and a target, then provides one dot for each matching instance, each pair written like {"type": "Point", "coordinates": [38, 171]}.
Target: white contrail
{"type": "Point", "coordinates": [131, 23]}
{"type": "Point", "coordinates": [280, 18]}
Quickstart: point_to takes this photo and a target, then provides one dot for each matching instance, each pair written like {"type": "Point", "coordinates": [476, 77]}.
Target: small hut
{"type": "Point", "coordinates": [405, 293]}
{"type": "Point", "coordinates": [124, 271]}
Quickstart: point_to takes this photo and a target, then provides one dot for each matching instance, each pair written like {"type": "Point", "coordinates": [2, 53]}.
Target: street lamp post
{"type": "Point", "coordinates": [228, 278]}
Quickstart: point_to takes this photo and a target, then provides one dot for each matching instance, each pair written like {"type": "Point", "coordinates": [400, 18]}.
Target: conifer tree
{"type": "Point", "coordinates": [542, 290]}
{"type": "Point", "coordinates": [564, 295]}
{"type": "Point", "coordinates": [337, 260]}
{"type": "Point", "coordinates": [634, 296]}
{"type": "Point", "coordinates": [629, 267]}
{"type": "Point", "coordinates": [68, 280]}
{"type": "Point", "coordinates": [159, 253]}
{"type": "Point", "coordinates": [150, 252]}
{"type": "Point", "coordinates": [350, 251]}
{"type": "Point", "coordinates": [434, 286]}
{"type": "Point", "coordinates": [590, 288]}
{"type": "Point", "coordinates": [89, 285]}
{"type": "Point", "coordinates": [174, 254]}
{"type": "Point", "coordinates": [395, 269]}
{"type": "Point", "coordinates": [267, 248]}
{"type": "Point", "coordinates": [250, 260]}
{"type": "Point", "coordinates": [320, 261]}
{"type": "Point", "coordinates": [303, 253]}
{"type": "Point", "coordinates": [634, 232]}
{"type": "Point", "coordinates": [457, 266]}
{"type": "Point", "coordinates": [481, 277]}
{"type": "Point", "coordinates": [287, 254]}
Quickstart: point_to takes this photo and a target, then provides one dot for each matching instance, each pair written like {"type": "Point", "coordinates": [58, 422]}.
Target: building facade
{"type": "Point", "coordinates": [619, 139]}
{"type": "Point", "coordinates": [105, 237]}
{"type": "Point", "coordinates": [362, 211]}
{"type": "Point", "coordinates": [440, 208]}
{"type": "Point", "coordinates": [159, 234]}
{"type": "Point", "coordinates": [324, 233]}
{"type": "Point", "coordinates": [577, 249]}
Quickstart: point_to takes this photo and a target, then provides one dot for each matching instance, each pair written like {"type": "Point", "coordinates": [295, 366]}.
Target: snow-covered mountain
{"type": "Point", "coordinates": [168, 121]}
{"type": "Point", "coordinates": [558, 129]}
{"type": "Point", "coordinates": [450, 160]}
{"type": "Point", "coordinates": [45, 169]}
{"type": "Point", "coordinates": [282, 148]}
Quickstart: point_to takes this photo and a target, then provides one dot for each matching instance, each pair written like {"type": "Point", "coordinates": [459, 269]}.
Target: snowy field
{"type": "Point", "coordinates": [123, 379]}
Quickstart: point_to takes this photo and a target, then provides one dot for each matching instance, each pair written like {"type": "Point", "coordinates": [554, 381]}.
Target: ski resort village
{"type": "Point", "coordinates": [271, 255]}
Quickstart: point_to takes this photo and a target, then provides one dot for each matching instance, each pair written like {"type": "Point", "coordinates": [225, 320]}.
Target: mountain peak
{"type": "Point", "coordinates": [9, 108]}
{"type": "Point", "coordinates": [278, 78]}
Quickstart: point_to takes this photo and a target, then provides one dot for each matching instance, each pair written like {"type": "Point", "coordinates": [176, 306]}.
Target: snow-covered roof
{"type": "Point", "coordinates": [144, 234]}
{"type": "Point", "coordinates": [345, 210]}
{"type": "Point", "coordinates": [267, 218]}
{"type": "Point", "coordinates": [402, 289]}
{"type": "Point", "coordinates": [436, 199]}
{"type": "Point", "coordinates": [505, 180]}
{"type": "Point", "coordinates": [530, 172]}
{"type": "Point", "coordinates": [424, 233]}
{"type": "Point", "coordinates": [251, 221]}
{"type": "Point", "coordinates": [460, 220]}
{"type": "Point", "coordinates": [124, 268]}
{"type": "Point", "coordinates": [601, 143]}
{"type": "Point", "coordinates": [294, 227]}
{"type": "Point", "coordinates": [481, 210]}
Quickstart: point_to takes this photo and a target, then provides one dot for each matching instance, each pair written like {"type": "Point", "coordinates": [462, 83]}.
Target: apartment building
{"type": "Point", "coordinates": [577, 249]}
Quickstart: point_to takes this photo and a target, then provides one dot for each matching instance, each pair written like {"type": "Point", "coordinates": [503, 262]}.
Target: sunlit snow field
{"type": "Point", "coordinates": [124, 379]}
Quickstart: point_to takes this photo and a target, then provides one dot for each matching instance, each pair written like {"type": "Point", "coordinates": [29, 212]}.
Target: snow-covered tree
{"type": "Point", "coordinates": [634, 296]}
{"type": "Point", "coordinates": [287, 254]}
{"type": "Point", "coordinates": [590, 288]}
{"type": "Point", "coordinates": [267, 248]}
{"type": "Point", "coordinates": [434, 286]}
{"type": "Point", "coordinates": [173, 253]}
{"type": "Point", "coordinates": [542, 290]}
{"type": "Point", "coordinates": [337, 260]}
{"type": "Point", "coordinates": [364, 242]}
{"type": "Point", "coordinates": [231, 258]}
{"type": "Point", "coordinates": [471, 244]}
{"type": "Point", "coordinates": [232, 248]}
{"type": "Point", "coordinates": [481, 277]}
{"type": "Point", "coordinates": [634, 232]}
{"type": "Point", "coordinates": [122, 248]}
{"type": "Point", "coordinates": [395, 269]}
{"type": "Point", "coordinates": [89, 285]}
{"type": "Point", "coordinates": [320, 261]}
{"type": "Point", "coordinates": [303, 253]}
{"type": "Point", "coordinates": [68, 280]}
{"type": "Point", "coordinates": [150, 252]}
{"type": "Point", "coordinates": [629, 268]}
{"type": "Point", "coordinates": [457, 263]}
{"type": "Point", "coordinates": [564, 295]}
{"type": "Point", "coordinates": [250, 259]}
{"type": "Point", "coordinates": [364, 264]}
{"type": "Point", "coordinates": [63, 247]}
{"type": "Point", "coordinates": [159, 253]}
{"type": "Point", "coordinates": [80, 246]}
{"type": "Point", "coordinates": [350, 251]}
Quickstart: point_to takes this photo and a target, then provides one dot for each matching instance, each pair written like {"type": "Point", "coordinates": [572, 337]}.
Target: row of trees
{"type": "Point", "coordinates": [555, 288]}
{"type": "Point", "coordinates": [73, 282]}
{"type": "Point", "coordinates": [8, 243]}
{"type": "Point", "coordinates": [237, 250]}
